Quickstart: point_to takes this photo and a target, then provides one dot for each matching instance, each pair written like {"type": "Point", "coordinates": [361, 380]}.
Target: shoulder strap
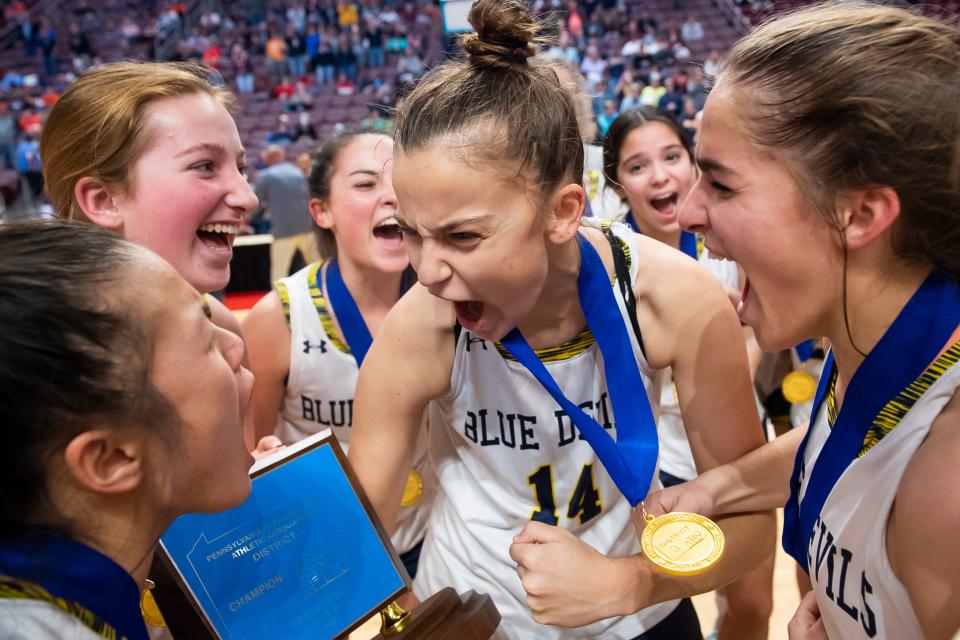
{"type": "Point", "coordinates": [626, 285]}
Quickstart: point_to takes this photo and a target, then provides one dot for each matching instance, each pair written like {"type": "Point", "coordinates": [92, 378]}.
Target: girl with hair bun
{"type": "Point", "coordinates": [106, 441]}
{"type": "Point", "coordinates": [516, 297]}
{"type": "Point", "coordinates": [840, 199]}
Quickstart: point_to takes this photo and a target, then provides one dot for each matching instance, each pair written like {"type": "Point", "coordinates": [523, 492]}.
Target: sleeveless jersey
{"type": "Point", "coordinates": [505, 453]}
{"type": "Point", "coordinates": [320, 385]}
{"type": "Point", "coordinates": [858, 593]}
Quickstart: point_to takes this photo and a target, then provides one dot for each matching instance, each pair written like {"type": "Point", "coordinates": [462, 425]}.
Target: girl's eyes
{"type": "Point", "coordinates": [365, 185]}
{"type": "Point", "coordinates": [464, 236]}
{"type": "Point", "coordinates": [206, 165]}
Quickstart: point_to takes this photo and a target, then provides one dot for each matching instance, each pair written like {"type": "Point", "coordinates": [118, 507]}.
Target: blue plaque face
{"type": "Point", "coordinates": [301, 558]}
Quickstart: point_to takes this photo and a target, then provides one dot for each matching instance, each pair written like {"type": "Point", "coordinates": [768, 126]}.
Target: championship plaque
{"type": "Point", "coordinates": [303, 557]}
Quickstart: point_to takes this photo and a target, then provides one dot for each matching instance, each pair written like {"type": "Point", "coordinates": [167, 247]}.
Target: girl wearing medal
{"type": "Point", "coordinates": [106, 441]}
{"type": "Point", "coordinates": [151, 151]}
{"type": "Point", "coordinates": [648, 162]}
{"type": "Point", "coordinates": [535, 496]}
{"type": "Point", "coordinates": [840, 200]}
{"type": "Point", "coordinates": [308, 337]}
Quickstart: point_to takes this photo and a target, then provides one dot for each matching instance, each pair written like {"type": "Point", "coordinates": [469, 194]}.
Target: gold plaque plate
{"type": "Point", "coordinates": [798, 387]}
{"type": "Point", "coordinates": [413, 489]}
{"type": "Point", "coordinates": [682, 544]}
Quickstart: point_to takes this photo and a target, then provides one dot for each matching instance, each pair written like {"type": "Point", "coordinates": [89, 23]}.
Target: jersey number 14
{"type": "Point", "coordinates": [584, 502]}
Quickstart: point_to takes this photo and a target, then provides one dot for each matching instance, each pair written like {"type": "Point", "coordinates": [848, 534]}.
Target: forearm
{"type": "Point", "coordinates": [757, 481]}
{"type": "Point", "coordinates": [749, 540]}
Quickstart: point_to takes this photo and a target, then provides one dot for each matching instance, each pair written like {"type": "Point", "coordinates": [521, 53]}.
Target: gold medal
{"type": "Point", "coordinates": [798, 387]}
{"type": "Point", "coordinates": [680, 543]}
{"type": "Point", "coordinates": [149, 609]}
{"type": "Point", "coordinates": [413, 490]}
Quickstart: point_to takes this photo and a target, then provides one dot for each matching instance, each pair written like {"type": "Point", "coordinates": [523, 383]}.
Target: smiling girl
{"type": "Point", "coordinates": [487, 170]}
{"type": "Point", "coordinates": [151, 151]}
{"type": "Point", "coordinates": [308, 337]}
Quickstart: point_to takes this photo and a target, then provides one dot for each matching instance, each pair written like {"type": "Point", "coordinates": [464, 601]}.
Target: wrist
{"type": "Point", "coordinates": [632, 581]}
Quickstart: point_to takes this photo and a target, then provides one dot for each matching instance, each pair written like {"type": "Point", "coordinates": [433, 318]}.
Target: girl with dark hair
{"type": "Point", "coordinates": [517, 305]}
{"type": "Point", "coordinates": [840, 199]}
{"type": "Point", "coordinates": [308, 337]}
{"type": "Point", "coordinates": [105, 439]}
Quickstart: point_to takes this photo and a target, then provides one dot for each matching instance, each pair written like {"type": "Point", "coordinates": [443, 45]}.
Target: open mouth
{"type": "Point", "coordinates": [469, 313]}
{"type": "Point", "coordinates": [743, 297]}
{"type": "Point", "coordinates": [388, 229]}
{"type": "Point", "coordinates": [218, 236]}
{"type": "Point", "coordinates": [665, 205]}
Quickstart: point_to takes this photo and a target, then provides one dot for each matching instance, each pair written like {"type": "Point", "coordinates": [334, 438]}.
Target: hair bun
{"type": "Point", "coordinates": [506, 33]}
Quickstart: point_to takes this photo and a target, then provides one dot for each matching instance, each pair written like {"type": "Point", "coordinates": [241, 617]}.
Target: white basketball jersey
{"type": "Point", "coordinates": [505, 453]}
{"type": "Point", "coordinates": [858, 593]}
{"type": "Point", "coordinates": [320, 387]}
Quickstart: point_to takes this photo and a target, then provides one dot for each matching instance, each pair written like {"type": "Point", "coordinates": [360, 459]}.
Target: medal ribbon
{"type": "Point", "coordinates": [632, 458]}
{"type": "Point", "coordinates": [82, 578]}
{"type": "Point", "coordinates": [904, 352]}
{"type": "Point", "coordinates": [354, 329]}
{"type": "Point", "coordinates": [688, 241]}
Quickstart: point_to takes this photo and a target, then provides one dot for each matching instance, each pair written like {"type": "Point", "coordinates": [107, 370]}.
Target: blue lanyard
{"type": "Point", "coordinates": [78, 574]}
{"type": "Point", "coordinates": [688, 241]}
{"type": "Point", "coordinates": [804, 350]}
{"type": "Point", "coordinates": [355, 330]}
{"type": "Point", "coordinates": [632, 458]}
{"type": "Point", "coordinates": [904, 352]}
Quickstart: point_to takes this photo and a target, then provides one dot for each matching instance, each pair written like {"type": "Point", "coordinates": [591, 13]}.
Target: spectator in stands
{"type": "Point", "coordinates": [605, 119]}
{"type": "Point", "coordinates": [28, 160]}
{"type": "Point", "coordinates": [593, 68]}
{"type": "Point", "coordinates": [692, 30]}
{"type": "Point", "coordinates": [284, 90]}
{"type": "Point", "coordinates": [8, 135]}
{"type": "Point", "coordinates": [276, 51]}
{"type": "Point", "coordinates": [409, 67]}
{"type": "Point", "coordinates": [564, 49]}
{"type": "Point", "coordinates": [711, 64]}
{"type": "Point", "coordinates": [374, 37]}
{"type": "Point", "coordinates": [375, 120]}
{"type": "Point", "coordinates": [323, 62]}
{"type": "Point", "coordinates": [345, 60]}
{"type": "Point", "coordinates": [672, 100]}
{"type": "Point", "coordinates": [29, 119]}
{"type": "Point", "coordinates": [282, 134]}
{"type": "Point", "coordinates": [296, 51]}
{"type": "Point", "coordinates": [242, 68]}
{"type": "Point", "coordinates": [345, 86]}
{"type": "Point", "coordinates": [305, 128]}
{"type": "Point", "coordinates": [47, 40]}
{"type": "Point", "coordinates": [283, 194]}
{"type": "Point", "coordinates": [690, 118]}
{"type": "Point", "coordinates": [80, 48]}
{"type": "Point", "coordinates": [347, 15]}
{"type": "Point", "coordinates": [651, 94]}
{"type": "Point", "coordinates": [697, 86]}
{"type": "Point", "coordinates": [212, 55]}
{"type": "Point", "coordinates": [631, 97]}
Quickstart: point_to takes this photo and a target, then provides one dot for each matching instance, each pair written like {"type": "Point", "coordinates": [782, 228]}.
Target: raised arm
{"type": "Point", "coordinates": [408, 365]}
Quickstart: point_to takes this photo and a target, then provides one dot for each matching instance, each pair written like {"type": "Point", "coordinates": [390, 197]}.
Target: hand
{"type": "Point", "coordinates": [692, 497]}
{"type": "Point", "coordinates": [266, 446]}
{"type": "Point", "coordinates": [568, 582]}
{"type": "Point", "coordinates": [807, 623]}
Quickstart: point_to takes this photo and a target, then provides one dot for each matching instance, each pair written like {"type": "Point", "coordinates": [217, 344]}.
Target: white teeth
{"type": "Point", "coordinates": [232, 229]}
{"type": "Point", "coordinates": [387, 222]}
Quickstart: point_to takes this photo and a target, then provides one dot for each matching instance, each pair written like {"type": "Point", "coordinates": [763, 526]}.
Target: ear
{"type": "Point", "coordinates": [868, 213]}
{"type": "Point", "coordinates": [102, 463]}
{"type": "Point", "coordinates": [97, 203]}
{"type": "Point", "coordinates": [566, 211]}
{"type": "Point", "coordinates": [320, 213]}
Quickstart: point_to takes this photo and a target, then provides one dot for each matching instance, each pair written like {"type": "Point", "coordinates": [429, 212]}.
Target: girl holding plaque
{"type": "Point", "coordinates": [105, 439]}
{"type": "Point", "coordinates": [151, 151]}
{"type": "Point", "coordinates": [840, 199]}
{"type": "Point", "coordinates": [534, 339]}
{"type": "Point", "coordinates": [648, 162]}
{"type": "Point", "coordinates": [308, 337]}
